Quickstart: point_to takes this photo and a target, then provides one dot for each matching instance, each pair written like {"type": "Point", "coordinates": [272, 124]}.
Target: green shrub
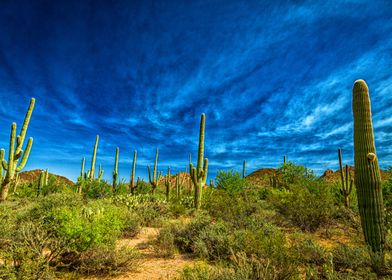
{"type": "Point", "coordinates": [214, 242]}
{"type": "Point", "coordinates": [31, 252]}
{"type": "Point", "coordinates": [186, 236]}
{"type": "Point", "coordinates": [97, 189]}
{"type": "Point", "coordinates": [291, 173]}
{"type": "Point", "coordinates": [235, 209]}
{"type": "Point", "coordinates": [164, 244]}
{"type": "Point", "coordinates": [105, 261]}
{"type": "Point", "coordinates": [242, 268]}
{"type": "Point", "coordinates": [150, 208]}
{"type": "Point", "coordinates": [350, 257]}
{"type": "Point", "coordinates": [309, 252]}
{"type": "Point", "coordinates": [307, 206]}
{"type": "Point", "coordinates": [229, 181]}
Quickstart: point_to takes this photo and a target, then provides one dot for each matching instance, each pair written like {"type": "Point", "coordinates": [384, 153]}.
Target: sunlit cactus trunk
{"type": "Point", "coordinates": [115, 169]}
{"type": "Point", "coordinates": [133, 172]}
{"type": "Point", "coordinates": [199, 174]}
{"type": "Point", "coordinates": [91, 173]}
{"type": "Point", "coordinates": [154, 179]}
{"type": "Point", "coordinates": [168, 184]}
{"type": "Point", "coordinates": [367, 176]}
{"type": "Point", "coordinates": [82, 177]}
{"type": "Point", "coordinates": [16, 153]}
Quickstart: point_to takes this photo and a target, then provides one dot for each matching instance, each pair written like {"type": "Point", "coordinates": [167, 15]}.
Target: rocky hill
{"type": "Point", "coordinates": [33, 175]}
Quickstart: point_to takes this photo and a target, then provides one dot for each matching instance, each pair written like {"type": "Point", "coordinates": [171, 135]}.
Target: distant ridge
{"type": "Point", "coordinates": [33, 175]}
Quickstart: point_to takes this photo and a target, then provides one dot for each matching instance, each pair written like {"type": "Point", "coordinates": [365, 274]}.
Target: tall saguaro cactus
{"type": "Point", "coordinates": [367, 175]}
{"type": "Point", "coordinates": [168, 184]}
{"type": "Point", "coordinates": [346, 186]}
{"type": "Point", "coordinates": [82, 177]}
{"type": "Point", "coordinates": [115, 169]}
{"type": "Point", "coordinates": [16, 153]}
{"type": "Point", "coordinates": [244, 169]}
{"type": "Point", "coordinates": [199, 174]}
{"type": "Point", "coordinates": [133, 172]}
{"type": "Point", "coordinates": [154, 179]}
{"type": "Point", "coordinates": [91, 173]}
{"type": "Point", "coordinates": [2, 152]}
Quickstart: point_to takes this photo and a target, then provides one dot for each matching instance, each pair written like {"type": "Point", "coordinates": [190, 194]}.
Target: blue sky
{"type": "Point", "coordinates": [273, 77]}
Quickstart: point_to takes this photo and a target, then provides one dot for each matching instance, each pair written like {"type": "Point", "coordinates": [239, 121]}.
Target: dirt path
{"type": "Point", "coordinates": [152, 267]}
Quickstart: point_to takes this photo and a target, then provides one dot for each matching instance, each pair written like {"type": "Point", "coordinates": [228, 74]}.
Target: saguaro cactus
{"type": "Point", "coordinates": [82, 176]}
{"type": "Point", "coordinates": [244, 169]}
{"type": "Point", "coordinates": [91, 173]}
{"type": "Point", "coordinates": [115, 169]}
{"type": "Point", "coordinates": [284, 159]}
{"type": "Point", "coordinates": [168, 184]}
{"type": "Point", "coordinates": [2, 152]}
{"type": "Point", "coordinates": [346, 186]}
{"type": "Point", "coordinates": [133, 172]}
{"type": "Point", "coordinates": [367, 175]}
{"type": "Point", "coordinates": [178, 186]}
{"type": "Point", "coordinates": [42, 181]}
{"type": "Point", "coordinates": [154, 179]}
{"type": "Point", "coordinates": [16, 153]}
{"type": "Point", "coordinates": [100, 172]}
{"type": "Point", "coordinates": [199, 174]}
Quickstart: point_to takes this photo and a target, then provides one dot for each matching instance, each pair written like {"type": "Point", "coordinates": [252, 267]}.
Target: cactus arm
{"type": "Point", "coordinates": [205, 170]}
{"type": "Point", "coordinates": [200, 155]}
{"type": "Point", "coordinates": [347, 178]}
{"type": "Point", "coordinates": [25, 155]}
{"type": "Point", "coordinates": [155, 165]}
{"type": "Point", "coordinates": [132, 180]}
{"type": "Point", "coordinates": [149, 174]}
{"type": "Point", "coordinates": [93, 159]}
{"type": "Point", "coordinates": [82, 174]}
{"type": "Point", "coordinates": [341, 166]}
{"type": "Point", "coordinates": [25, 125]}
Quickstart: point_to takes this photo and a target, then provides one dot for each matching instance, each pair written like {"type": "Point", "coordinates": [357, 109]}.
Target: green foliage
{"type": "Point", "coordinates": [230, 181]}
{"type": "Point", "coordinates": [350, 257]}
{"type": "Point", "coordinates": [104, 261]}
{"type": "Point", "coordinates": [292, 173]}
{"type": "Point", "coordinates": [150, 208]}
{"type": "Point", "coordinates": [308, 206]}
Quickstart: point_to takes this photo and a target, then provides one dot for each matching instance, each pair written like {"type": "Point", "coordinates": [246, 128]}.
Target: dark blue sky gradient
{"type": "Point", "coordinates": [273, 78]}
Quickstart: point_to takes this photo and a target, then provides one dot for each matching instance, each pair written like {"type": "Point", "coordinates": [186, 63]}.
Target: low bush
{"type": "Point", "coordinates": [307, 206]}
{"type": "Point", "coordinates": [103, 261]}
{"type": "Point", "coordinates": [350, 257]}
{"type": "Point", "coordinates": [229, 181]}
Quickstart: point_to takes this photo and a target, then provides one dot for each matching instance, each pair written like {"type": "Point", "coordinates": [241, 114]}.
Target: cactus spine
{"type": "Point", "coordinates": [244, 169]}
{"type": "Point", "coordinates": [16, 153]}
{"type": "Point", "coordinates": [199, 174]}
{"type": "Point", "coordinates": [115, 169]}
{"type": "Point", "coordinates": [91, 173]}
{"type": "Point", "coordinates": [154, 179]}
{"type": "Point", "coordinates": [132, 180]}
{"type": "Point", "coordinates": [367, 175]}
{"type": "Point", "coordinates": [346, 186]}
{"type": "Point", "coordinates": [168, 184]}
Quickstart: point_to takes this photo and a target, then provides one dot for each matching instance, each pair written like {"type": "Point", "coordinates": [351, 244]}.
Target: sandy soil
{"type": "Point", "coordinates": [152, 267]}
